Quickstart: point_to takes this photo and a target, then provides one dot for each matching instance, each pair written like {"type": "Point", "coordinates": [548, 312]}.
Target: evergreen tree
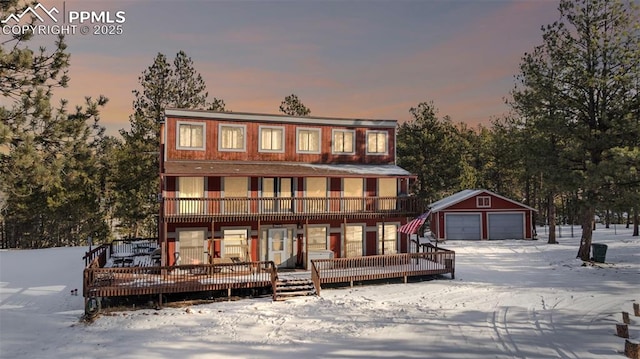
{"type": "Point", "coordinates": [430, 147]}
{"type": "Point", "coordinates": [292, 106]}
{"type": "Point", "coordinates": [579, 86]}
{"type": "Point", "coordinates": [162, 85]}
{"type": "Point", "coordinates": [49, 175]}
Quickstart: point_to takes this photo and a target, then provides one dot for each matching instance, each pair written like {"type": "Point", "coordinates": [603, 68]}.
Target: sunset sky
{"type": "Point", "coordinates": [368, 59]}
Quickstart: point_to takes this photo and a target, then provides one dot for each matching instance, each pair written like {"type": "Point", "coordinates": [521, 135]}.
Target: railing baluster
{"type": "Point", "coordinates": [247, 206]}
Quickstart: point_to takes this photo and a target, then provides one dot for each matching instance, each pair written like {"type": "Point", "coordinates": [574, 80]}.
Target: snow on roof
{"type": "Point", "coordinates": [385, 170]}
{"type": "Point", "coordinates": [454, 198]}
{"type": "Point", "coordinates": [468, 193]}
{"type": "Point", "coordinates": [231, 168]}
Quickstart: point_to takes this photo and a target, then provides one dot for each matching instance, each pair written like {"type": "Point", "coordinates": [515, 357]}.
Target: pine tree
{"type": "Point", "coordinates": [292, 106]}
{"type": "Point", "coordinates": [578, 89]}
{"type": "Point", "coordinates": [430, 147]}
{"type": "Point", "coordinates": [49, 176]}
{"type": "Point", "coordinates": [136, 179]}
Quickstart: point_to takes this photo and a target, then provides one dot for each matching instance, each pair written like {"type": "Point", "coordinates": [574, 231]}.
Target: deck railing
{"type": "Point", "coordinates": [348, 270]}
{"type": "Point", "coordinates": [98, 254]}
{"type": "Point", "coordinates": [111, 282]}
{"type": "Point", "coordinates": [290, 206]}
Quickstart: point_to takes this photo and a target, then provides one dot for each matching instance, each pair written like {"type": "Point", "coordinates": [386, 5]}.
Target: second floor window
{"type": "Point", "coordinates": [308, 140]}
{"type": "Point", "coordinates": [232, 138]}
{"type": "Point", "coordinates": [343, 141]}
{"type": "Point", "coordinates": [190, 136]}
{"type": "Point", "coordinates": [377, 142]}
{"type": "Point", "coordinates": [271, 139]}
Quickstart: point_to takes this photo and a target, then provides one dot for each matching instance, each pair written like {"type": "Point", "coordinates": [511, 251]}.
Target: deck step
{"type": "Point", "coordinates": [289, 288]}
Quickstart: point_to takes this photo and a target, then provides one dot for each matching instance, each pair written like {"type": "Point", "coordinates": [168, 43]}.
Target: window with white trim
{"type": "Point", "coordinates": [387, 238]}
{"type": "Point", "coordinates": [353, 241]}
{"type": "Point", "coordinates": [308, 140]}
{"type": "Point", "coordinates": [271, 139]}
{"type": "Point", "coordinates": [377, 142]}
{"type": "Point", "coordinates": [235, 244]}
{"type": "Point", "coordinates": [317, 238]}
{"type": "Point", "coordinates": [191, 246]}
{"type": "Point", "coordinates": [343, 141]}
{"type": "Point", "coordinates": [232, 138]}
{"type": "Point", "coordinates": [190, 136]}
{"type": "Point", "coordinates": [483, 202]}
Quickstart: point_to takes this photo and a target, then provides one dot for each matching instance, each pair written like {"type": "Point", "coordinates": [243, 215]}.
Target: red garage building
{"type": "Point", "coordinates": [480, 214]}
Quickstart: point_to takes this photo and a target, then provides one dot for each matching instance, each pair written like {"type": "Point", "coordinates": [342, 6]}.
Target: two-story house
{"type": "Point", "coordinates": [252, 187]}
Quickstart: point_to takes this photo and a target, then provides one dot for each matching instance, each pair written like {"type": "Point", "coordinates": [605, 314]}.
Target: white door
{"type": "Point", "coordinates": [506, 225]}
{"type": "Point", "coordinates": [277, 246]}
{"type": "Point", "coordinates": [462, 226]}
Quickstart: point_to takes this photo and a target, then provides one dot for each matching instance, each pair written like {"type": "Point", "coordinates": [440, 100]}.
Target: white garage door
{"type": "Point", "coordinates": [462, 226]}
{"type": "Point", "coordinates": [506, 226]}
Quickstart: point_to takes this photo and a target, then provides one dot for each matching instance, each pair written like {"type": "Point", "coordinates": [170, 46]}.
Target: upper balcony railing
{"type": "Point", "coordinates": [290, 207]}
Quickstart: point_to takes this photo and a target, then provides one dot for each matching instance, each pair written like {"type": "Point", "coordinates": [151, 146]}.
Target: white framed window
{"type": "Point", "coordinates": [354, 240]}
{"type": "Point", "coordinates": [317, 238]}
{"type": "Point", "coordinates": [387, 238]}
{"type": "Point", "coordinates": [190, 136]}
{"type": "Point", "coordinates": [235, 243]}
{"type": "Point", "coordinates": [483, 202]}
{"type": "Point", "coordinates": [232, 138]}
{"type": "Point", "coordinates": [377, 143]}
{"type": "Point", "coordinates": [271, 139]}
{"type": "Point", "coordinates": [191, 246]}
{"type": "Point", "coordinates": [343, 142]}
{"type": "Point", "coordinates": [308, 140]}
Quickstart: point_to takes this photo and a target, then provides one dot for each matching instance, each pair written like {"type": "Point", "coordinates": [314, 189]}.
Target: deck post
{"type": "Point", "coordinates": [306, 242]}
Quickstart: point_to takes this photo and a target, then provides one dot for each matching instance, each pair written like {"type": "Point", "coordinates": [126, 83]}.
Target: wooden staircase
{"type": "Point", "coordinates": [289, 288]}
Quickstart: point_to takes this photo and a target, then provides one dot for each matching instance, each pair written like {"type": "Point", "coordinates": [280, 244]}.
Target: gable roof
{"type": "Point", "coordinates": [466, 194]}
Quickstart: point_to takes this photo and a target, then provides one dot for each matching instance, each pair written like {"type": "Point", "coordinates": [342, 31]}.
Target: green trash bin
{"type": "Point", "coordinates": [599, 252]}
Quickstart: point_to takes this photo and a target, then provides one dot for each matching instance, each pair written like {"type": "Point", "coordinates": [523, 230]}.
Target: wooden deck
{"type": "Point", "coordinates": [106, 276]}
{"type": "Point", "coordinates": [433, 261]}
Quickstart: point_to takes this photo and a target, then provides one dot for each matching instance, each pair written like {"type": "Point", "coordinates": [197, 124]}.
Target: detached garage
{"type": "Point", "coordinates": [480, 214]}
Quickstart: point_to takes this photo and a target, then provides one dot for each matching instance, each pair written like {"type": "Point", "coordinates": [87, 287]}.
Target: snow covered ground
{"type": "Point", "coordinates": [510, 299]}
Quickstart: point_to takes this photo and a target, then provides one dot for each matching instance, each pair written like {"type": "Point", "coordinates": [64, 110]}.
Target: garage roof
{"type": "Point", "coordinates": [465, 194]}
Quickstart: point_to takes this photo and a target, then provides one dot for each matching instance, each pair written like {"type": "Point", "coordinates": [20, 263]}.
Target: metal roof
{"type": "Point", "coordinates": [466, 194]}
{"type": "Point", "coordinates": [261, 117]}
{"type": "Point", "coordinates": [229, 168]}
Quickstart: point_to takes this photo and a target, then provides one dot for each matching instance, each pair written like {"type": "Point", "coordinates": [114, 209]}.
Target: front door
{"type": "Point", "coordinates": [277, 246]}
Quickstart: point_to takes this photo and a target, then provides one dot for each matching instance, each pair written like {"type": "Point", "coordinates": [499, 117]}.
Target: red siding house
{"type": "Point", "coordinates": [480, 214]}
{"type": "Point", "coordinates": [252, 187]}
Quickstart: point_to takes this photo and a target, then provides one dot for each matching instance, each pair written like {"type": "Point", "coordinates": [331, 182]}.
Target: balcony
{"type": "Point", "coordinates": [288, 208]}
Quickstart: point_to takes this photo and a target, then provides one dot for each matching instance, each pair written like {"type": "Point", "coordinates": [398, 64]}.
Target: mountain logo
{"type": "Point", "coordinates": [33, 11]}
